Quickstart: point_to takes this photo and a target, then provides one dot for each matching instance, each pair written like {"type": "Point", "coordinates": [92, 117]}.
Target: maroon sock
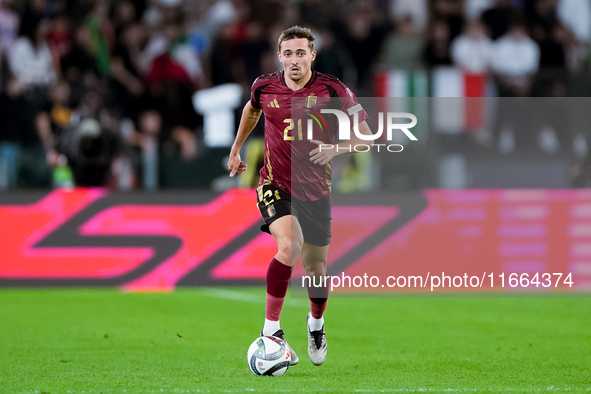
{"type": "Point", "coordinates": [318, 300]}
{"type": "Point", "coordinates": [278, 275]}
{"type": "Point", "coordinates": [318, 306]}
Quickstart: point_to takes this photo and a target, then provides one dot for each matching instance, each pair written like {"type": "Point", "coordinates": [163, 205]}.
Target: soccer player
{"type": "Point", "coordinates": [294, 187]}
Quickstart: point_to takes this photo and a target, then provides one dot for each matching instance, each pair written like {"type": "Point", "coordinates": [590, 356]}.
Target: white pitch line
{"type": "Point", "coordinates": [235, 295]}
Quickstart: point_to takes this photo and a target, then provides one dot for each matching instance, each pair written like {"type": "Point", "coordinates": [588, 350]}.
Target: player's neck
{"type": "Point", "coordinates": [297, 85]}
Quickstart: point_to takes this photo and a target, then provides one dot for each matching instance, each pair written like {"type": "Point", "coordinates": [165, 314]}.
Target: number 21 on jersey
{"type": "Point", "coordinates": [291, 125]}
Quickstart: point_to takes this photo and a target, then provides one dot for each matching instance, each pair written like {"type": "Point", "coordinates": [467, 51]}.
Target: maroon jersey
{"type": "Point", "coordinates": [288, 115]}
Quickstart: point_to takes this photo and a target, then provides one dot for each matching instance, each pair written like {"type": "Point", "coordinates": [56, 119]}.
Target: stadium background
{"type": "Point", "coordinates": [141, 99]}
{"type": "Point", "coordinates": [115, 124]}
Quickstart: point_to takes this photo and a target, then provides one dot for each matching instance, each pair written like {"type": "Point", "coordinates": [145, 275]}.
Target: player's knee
{"type": "Point", "coordinates": [293, 248]}
{"type": "Point", "coordinates": [290, 249]}
{"type": "Point", "coordinates": [316, 270]}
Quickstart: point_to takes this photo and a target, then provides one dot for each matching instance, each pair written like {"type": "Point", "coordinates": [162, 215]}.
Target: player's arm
{"type": "Point", "coordinates": [248, 120]}
{"type": "Point", "coordinates": [324, 152]}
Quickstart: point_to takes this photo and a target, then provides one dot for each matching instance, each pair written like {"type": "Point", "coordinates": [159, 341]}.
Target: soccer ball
{"type": "Point", "coordinates": [268, 356]}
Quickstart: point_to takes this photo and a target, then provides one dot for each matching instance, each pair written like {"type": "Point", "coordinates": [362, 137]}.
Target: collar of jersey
{"type": "Point", "coordinates": [309, 83]}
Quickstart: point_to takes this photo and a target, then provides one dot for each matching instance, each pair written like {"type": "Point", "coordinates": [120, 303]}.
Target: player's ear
{"type": "Point", "coordinates": [313, 55]}
{"type": "Point", "coordinates": [279, 56]}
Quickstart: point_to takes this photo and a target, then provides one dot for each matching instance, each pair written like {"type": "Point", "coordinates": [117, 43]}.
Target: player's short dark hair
{"type": "Point", "coordinates": [296, 32]}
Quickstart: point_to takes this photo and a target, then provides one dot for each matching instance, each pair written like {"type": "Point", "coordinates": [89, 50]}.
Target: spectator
{"type": "Point", "coordinates": [129, 89]}
{"type": "Point", "coordinates": [515, 61]}
{"type": "Point", "coordinates": [172, 79]}
{"type": "Point", "coordinates": [31, 60]}
{"type": "Point", "coordinates": [61, 105]}
{"type": "Point", "coordinates": [102, 35]}
{"type": "Point", "coordinates": [150, 125]}
{"type": "Point", "coordinates": [207, 19]}
{"type": "Point", "coordinates": [9, 24]}
{"type": "Point", "coordinates": [124, 15]}
{"type": "Point", "coordinates": [35, 12]}
{"type": "Point", "coordinates": [252, 50]}
{"type": "Point", "coordinates": [437, 51]}
{"type": "Point", "coordinates": [416, 9]}
{"type": "Point", "coordinates": [552, 49]}
{"type": "Point", "coordinates": [16, 129]}
{"type": "Point", "coordinates": [403, 49]}
{"type": "Point", "coordinates": [264, 12]}
{"type": "Point", "coordinates": [449, 12]}
{"type": "Point", "coordinates": [472, 50]}
{"type": "Point", "coordinates": [314, 13]}
{"type": "Point", "coordinates": [225, 64]}
{"type": "Point", "coordinates": [172, 44]}
{"type": "Point", "coordinates": [333, 58]}
{"type": "Point", "coordinates": [498, 18]}
{"type": "Point", "coordinates": [365, 33]}
{"type": "Point", "coordinates": [178, 62]}
{"type": "Point", "coordinates": [52, 118]}
{"type": "Point", "coordinates": [58, 36]}
{"type": "Point", "coordinates": [541, 18]}
{"type": "Point", "coordinates": [79, 66]}
{"type": "Point", "coordinates": [473, 9]}
{"type": "Point", "coordinates": [221, 58]}
{"type": "Point", "coordinates": [576, 16]}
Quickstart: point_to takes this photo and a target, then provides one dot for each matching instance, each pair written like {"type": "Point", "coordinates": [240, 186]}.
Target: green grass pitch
{"type": "Point", "coordinates": [195, 340]}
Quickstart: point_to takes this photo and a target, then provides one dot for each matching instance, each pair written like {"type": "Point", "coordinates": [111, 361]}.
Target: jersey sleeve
{"type": "Point", "coordinates": [349, 104]}
{"type": "Point", "coordinates": [255, 95]}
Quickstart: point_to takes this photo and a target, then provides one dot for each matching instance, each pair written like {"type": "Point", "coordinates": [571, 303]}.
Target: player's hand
{"type": "Point", "coordinates": [236, 165]}
{"type": "Point", "coordinates": [323, 154]}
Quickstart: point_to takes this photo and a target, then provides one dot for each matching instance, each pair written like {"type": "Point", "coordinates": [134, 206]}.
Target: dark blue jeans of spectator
{"type": "Point", "coordinates": [10, 157]}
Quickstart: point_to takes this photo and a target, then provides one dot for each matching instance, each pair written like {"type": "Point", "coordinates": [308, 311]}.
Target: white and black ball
{"type": "Point", "coordinates": [268, 356]}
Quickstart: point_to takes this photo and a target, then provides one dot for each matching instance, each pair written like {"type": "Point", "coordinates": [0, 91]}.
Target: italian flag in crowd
{"type": "Point", "coordinates": [406, 91]}
{"type": "Point", "coordinates": [459, 103]}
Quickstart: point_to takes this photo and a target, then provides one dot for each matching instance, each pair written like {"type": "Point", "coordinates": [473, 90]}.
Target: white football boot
{"type": "Point", "coordinates": [316, 344]}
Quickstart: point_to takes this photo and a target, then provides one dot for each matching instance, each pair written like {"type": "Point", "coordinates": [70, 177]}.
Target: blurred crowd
{"type": "Point", "coordinates": [100, 91]}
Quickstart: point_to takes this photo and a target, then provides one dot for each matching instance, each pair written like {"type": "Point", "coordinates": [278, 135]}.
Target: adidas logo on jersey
{"type": "Point", "coordinates": [273, 104]}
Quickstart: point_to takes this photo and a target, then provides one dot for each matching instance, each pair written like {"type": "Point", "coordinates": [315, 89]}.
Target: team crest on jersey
{"type": "Point", "coordinates": [311, 102]}
{"type": "Point", "coordinates": [271, 211]}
